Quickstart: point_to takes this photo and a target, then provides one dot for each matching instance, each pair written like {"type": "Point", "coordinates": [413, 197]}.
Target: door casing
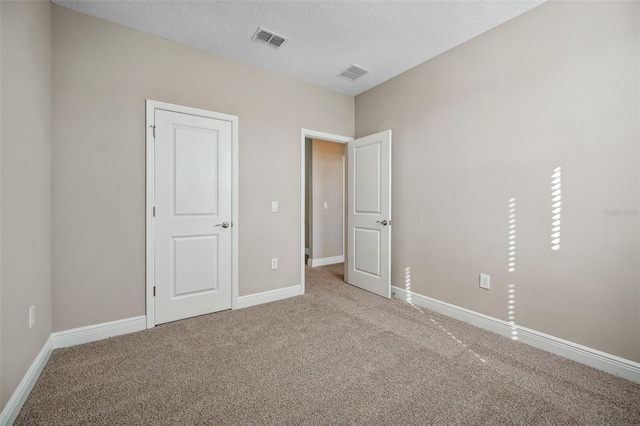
{"type": "Point", "coordinates": [151, 106]}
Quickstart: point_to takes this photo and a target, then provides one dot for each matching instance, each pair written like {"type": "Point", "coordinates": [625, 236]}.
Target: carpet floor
{"type": "Point", "coordinates": [337, 355]}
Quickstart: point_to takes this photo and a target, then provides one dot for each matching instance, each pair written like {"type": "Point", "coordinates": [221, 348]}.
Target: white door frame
{"type": "Point", "coordinates": [150, 267]}
{"type": "Point", "coordinates": [313, 134]}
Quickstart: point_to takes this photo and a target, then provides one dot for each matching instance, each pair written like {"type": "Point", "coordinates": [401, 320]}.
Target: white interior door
{"type": "Point", "coordinates": [369, 217]}
{"type": "Point", "coordinates": [192, 223]}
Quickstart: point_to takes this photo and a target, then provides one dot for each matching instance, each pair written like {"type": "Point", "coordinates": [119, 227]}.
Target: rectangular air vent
{"type": "Point", "coordinates": [269, 38]}
{"type": "Point", "coordinates": [353, 73]}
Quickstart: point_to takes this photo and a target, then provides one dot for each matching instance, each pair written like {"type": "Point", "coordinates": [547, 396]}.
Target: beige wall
{"type": "Point", "coordinates": [25, 187]}
{"type": "Point", "coordinates": [490, 120]}
{"type": "Point", "coordinates": [102, 75]}
{"type": "Point", "coordinates": [327, 185]}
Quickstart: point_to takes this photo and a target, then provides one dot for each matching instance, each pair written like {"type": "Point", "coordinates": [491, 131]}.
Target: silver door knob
{"type": "Point", "coordinates": [224, 224]}
{"type": "Point", "coordinates": [382, 222]}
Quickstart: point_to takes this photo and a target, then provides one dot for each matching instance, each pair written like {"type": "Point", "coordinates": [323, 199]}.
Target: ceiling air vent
{"type": "Point", "coordinates": [353, 73]}
{"type": "Point", "coordinates": [269, 37]}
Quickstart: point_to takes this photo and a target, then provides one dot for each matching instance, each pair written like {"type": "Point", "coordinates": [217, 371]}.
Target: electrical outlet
{"type": "Point", "coordinates": [485, 281]}
{"type": "Point", "coordinates": [274, 263]}
{"type": "Point", "coordinates": [32, 316]}
{"type": "Point", "coordinates": [274, 207]}
{"type": "Point", "coordinates": [326, 205]}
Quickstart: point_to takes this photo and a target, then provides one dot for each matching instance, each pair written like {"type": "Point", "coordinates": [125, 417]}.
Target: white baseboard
{"type": "Point", "coordinates": [325, 261]}
{"type": "Point", "coordinates": [92, 333]}
{"type": "Point", "coordinates": [268, 296]}
{"type": "Point", "coordinates": [603, 361]}
{"type": "Point", "coordinates": [63, 339]}
{"type": "Point", "coordinates": [15, 403]}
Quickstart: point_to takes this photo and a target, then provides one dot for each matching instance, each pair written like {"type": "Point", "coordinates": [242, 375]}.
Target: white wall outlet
{"type": "Point", "coordinates": [274, 207]}
{"type": "Point", "coordinates": [274, 263]}
{"type": "Point", "coordinates": [326, 205]}
{"type": "Point", "coordinates": [32, 316]}
{"type": "Point", "coordinates": [485, 281]}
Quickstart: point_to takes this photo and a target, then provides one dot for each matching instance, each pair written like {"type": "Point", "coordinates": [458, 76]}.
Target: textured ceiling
{"type": "Point", "coordinates": [324, 37]}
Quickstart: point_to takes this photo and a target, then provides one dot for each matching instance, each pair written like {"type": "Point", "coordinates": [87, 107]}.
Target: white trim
{"type": "Point", "coordinates": [325, 261]}
{"type": "Point", "coordinates": [608, 363]}
{"type": "Point", "coordinates": [268, 296]}
{"type": "Point", "coordinates": [313, 134]}
{"type": "Point", "coordinates": [235, 212]}
{"type": "Point", "coordinates": [15, 403]}
{"type": "Point", "coordinates": [92, 333]}
{"type": "Point", "coordinates": [150, 202]}
{"type": "Point", "coordinates": [344, 205]}
{"type": "Point", "coordinates": [63, 339]}
{"type": "Point", "coordinates": [151, 106]}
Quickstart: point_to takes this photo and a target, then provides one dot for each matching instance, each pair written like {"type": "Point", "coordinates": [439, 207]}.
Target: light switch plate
{"type": "Point", "coordinates": [485, 281]}
{"type": "Point", "coordinates": [32, 316]}
{"type": "Point", "coordinates": [274, 207]}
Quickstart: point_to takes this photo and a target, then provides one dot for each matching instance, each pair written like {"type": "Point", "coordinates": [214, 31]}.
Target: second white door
{"type": "Point", "coordinates": [192, 223]}
{"type": "Point", "coordinates": [369, 215]}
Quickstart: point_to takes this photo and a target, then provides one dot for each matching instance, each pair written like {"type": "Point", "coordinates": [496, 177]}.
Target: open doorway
{"type": "Point", "coordinates": [324, 202]}
{"type": "Point", "coordinates": [367, 238]}
{"type": "Point", "coordinates": [323, 179]}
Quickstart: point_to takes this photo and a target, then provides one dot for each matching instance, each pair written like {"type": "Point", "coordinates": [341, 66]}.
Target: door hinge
{"type": "Point", "coordinates": [154, 211]}
{"type": "Point", "coordinates": [154, 291]}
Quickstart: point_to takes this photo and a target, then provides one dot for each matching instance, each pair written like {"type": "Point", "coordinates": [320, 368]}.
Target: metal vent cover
{"type": "Point", "coordinates": [353, 73]}
{"type": "Point", "coordinates": [269, 38]}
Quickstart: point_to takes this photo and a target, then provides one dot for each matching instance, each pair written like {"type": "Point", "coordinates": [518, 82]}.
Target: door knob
{"type": "Point", "coordinates": [382, 222]}
{"type": "Point", "coordinates": [224, 224]}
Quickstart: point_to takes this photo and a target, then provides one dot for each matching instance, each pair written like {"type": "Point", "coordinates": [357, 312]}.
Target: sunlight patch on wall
{"type": "Point", "coordinates": [511, 310]}
{"type": "Point", "coordinates": [511, 267]}
{"type": "Point", "coordinates": [556, 207]}
{"type": "Point", "coordinates": [512, 235]}
{"type": "Point", "coordinates": [407, 284]}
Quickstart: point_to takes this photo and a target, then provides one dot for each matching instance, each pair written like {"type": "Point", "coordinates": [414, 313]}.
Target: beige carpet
{"type": "Point", "coordinates": [337, 355]}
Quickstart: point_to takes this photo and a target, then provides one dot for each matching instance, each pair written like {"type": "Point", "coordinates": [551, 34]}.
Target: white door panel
{"type": "Point", "coordinates": [196, 152]}
{"type": "Point", "coordinates": [367, 254]}
{"type": "Point", "coordinates": [369, 217]}
{"type": "Point", "coordinates": [192, 274]}
{"type": "Point", "coordinates": [192, 198]}
{"type": "Point", "coordinates": [366, 163]}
